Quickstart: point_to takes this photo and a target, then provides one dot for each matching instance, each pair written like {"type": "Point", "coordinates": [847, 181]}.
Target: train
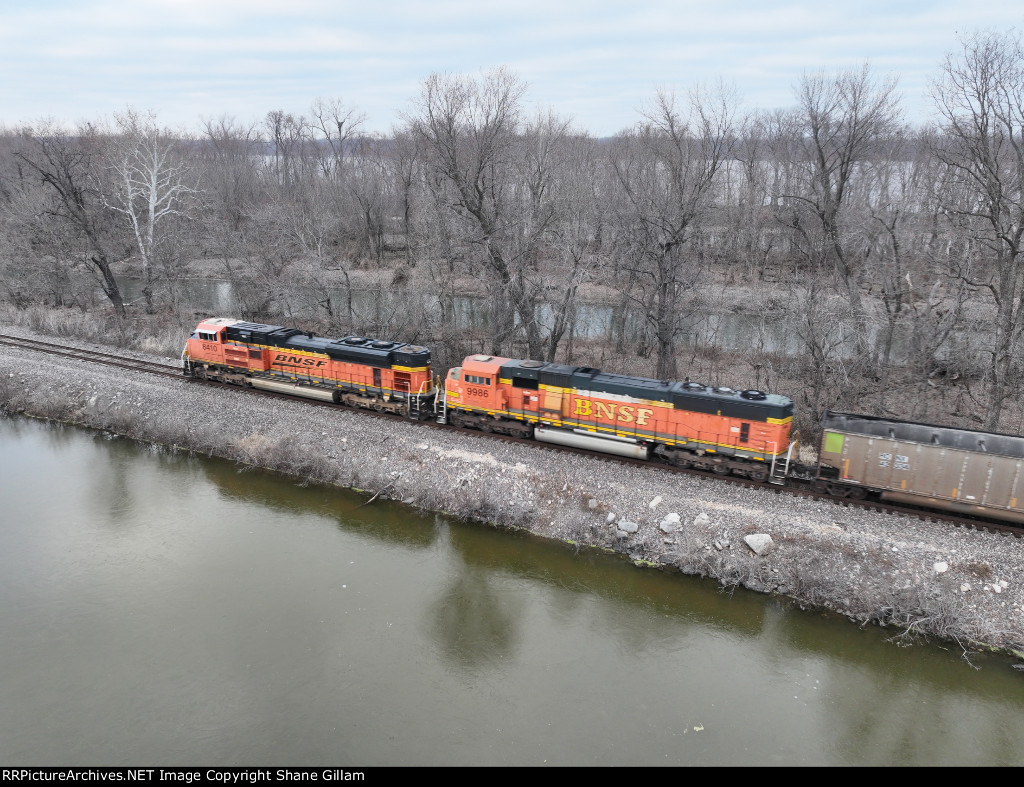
{"type": "Point", "coordinates": [740, 432]}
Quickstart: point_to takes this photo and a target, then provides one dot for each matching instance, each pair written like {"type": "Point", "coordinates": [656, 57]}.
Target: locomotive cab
{"type": "Point", "coordinates": [475, 383]}
{"type": "Point", "coordinates": [206, 342]}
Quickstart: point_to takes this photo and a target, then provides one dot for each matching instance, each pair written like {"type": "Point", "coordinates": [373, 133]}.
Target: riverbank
{"type": "Point", "coordinates": [916, 577]}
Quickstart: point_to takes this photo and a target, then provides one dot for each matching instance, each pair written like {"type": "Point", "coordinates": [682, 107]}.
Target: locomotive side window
{"type": "Point", "coordinates": [207, 337]}
{"type": "Point", "coordinates": [472, 378]}
{"type": "Point", "coordinates": [744, 432]}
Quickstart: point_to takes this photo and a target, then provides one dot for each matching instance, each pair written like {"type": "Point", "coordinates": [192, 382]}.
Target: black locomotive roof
{"type": "Point", "coordinates": [683, 395]}
{"type": "Point", "coordinates": [351, 349]}
{"type": "Point", "coordinates": [927, 434]}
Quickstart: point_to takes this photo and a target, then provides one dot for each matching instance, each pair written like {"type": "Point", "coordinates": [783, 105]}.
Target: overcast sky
{"type": "Point", "coordinates": [598, 62]}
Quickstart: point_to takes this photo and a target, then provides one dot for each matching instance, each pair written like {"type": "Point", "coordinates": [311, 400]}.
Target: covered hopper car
{"type": "Point", "coordinates": [961, 470]}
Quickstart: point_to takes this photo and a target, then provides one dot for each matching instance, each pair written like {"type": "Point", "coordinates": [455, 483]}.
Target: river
{"type": "Point", "coordinates": [768, 332]}
{"type": "Point", "coordinates": [160, 608]}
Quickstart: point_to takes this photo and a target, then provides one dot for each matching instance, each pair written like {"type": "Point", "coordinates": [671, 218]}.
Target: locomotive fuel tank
{"type": "Point", "coordinates": [292, 388]}
{"type": "Point", "coordinates": [579, 438]}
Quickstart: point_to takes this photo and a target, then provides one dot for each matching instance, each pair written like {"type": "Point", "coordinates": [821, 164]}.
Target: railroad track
{"type": "Point", "coordinates": [92, 356]}
{"type": "Point", "coordinates": [175, 371]}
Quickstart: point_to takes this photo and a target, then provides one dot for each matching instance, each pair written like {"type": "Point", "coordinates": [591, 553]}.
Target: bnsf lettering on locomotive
{"type": "Point", "coordinates": [613, 412]}
{"type": "Point", "coordinates": [298, 360]}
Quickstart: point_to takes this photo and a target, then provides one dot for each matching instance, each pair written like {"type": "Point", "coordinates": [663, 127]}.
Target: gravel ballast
{"type": "Point", "coordinates": [915, 576]}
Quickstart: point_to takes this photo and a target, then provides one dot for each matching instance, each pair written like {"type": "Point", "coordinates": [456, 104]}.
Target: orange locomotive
{"type": "Point", "coordinates": [688, 424]}
{"type": "Point", "coordinates": [377, 375]}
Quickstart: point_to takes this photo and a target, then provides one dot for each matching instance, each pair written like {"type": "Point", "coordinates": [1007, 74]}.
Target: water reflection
{"type": "Point", "coordinates": [384, 520]}
{"type": "Point", "coordinates": [473, 623]}
{"type": "Point", "coordinates": [163, 608]}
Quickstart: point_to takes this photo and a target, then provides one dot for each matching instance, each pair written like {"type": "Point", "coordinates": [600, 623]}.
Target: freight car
{"type": "Point", "coordinates": [377, 375]}
{"type": "Point", "coordinates": [683, 423]}
{"type": "Point", "coordinates": [960, 470]}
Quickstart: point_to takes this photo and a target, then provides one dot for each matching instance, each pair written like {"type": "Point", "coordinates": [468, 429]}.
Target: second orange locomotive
{"type": "Point", "coordinates": [689, 424]}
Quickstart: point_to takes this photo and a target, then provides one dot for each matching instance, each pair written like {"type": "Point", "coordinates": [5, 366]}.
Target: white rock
{"type": "Point", "coordinates": [701, 519]}
{"type": "Point", "coordinates": [965, 588]}
{"type": "Point", "coordinates": [941, 567]}
{"type": "Point", "coordinates": [655, 502]}
{"type": "Point", "coordinates": [673, 518]}
{"type": "Point", "coordinates": [1004, 584]}
{"type": "Point", "coordinates": [760, 543]}
{"type": "Point", "coordinates": [628, 527]}
{"type": "Point", "coordinates": [610, 518]}
{"type": "Point", "coordinates": [668, 527]}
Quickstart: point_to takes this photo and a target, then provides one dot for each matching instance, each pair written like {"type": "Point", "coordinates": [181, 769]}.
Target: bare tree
{"type": "Point", "coordinates": [403, 160]}
{"type": "Point", "coordinates": [350, 175]}
{"type": "Point", "coordinates": [469, 129]}
{"type": "Point", "coordinates": [336, 126]}
{"type": "Point", "coordinates": [846, 119]}
{"type": "Point", "coordinates": [71, 166]}
{"type": "Point", "coordinates": [980, 98]}
{"type": "Point", "coordinates": [666, 168]}
{"type": "Point", "coordinates": [228, 160]}
{"type": "Point", "coordinates": [292, 151]}
{"type": "Point", "coordinates": [150, 185]}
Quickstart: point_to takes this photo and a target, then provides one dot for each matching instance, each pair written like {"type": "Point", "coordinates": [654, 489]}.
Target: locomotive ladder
{"type": "Point", "coordinates": [780, 467]}
{"type": "Point", "coordinates": [441, 405]}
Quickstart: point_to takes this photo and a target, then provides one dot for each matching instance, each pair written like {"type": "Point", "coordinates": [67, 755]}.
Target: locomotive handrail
{"type": "Point", "coordinates": [785, 467]}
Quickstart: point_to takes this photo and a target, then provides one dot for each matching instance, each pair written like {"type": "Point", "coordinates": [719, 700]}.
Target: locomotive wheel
{"type": "Point", "coordinates": [720, 470]}
{"type": "Point", "coordinates": [758, 474]}
{"type": "Point", "coordinates": [857, 493]}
